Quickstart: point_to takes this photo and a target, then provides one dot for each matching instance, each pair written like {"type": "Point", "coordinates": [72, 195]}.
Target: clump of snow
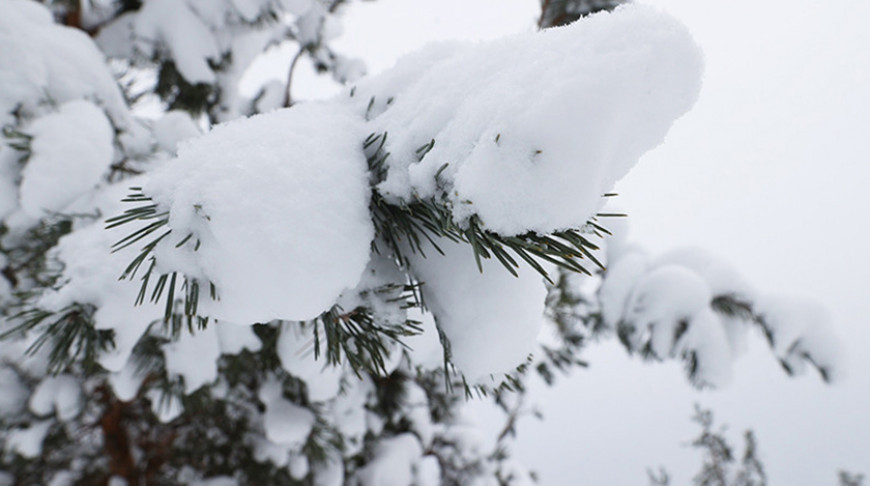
{"type": "Point", "coordinates": [70, 152]}
{"type": "Point", "coordinates": [661, 300]}
{"type": "Point", "coordinates": [90, 276]}
{"type": "Point", "coordinates": [280, 204]}
{"type": "Point", "coordinates": [60, 395]}
{"type": "Point", "coordinates": [349, 413]}
{"type": "Point", "coordinates": [296, 353]}
{"type": "Point", "coordinates": [393, 462]}
{"type": "Point", "coordinates": [166, 406]}
{"type": "Point", "coordinates": [617, 286]}
{"type": "Point", "coordinates": [798, 330]}
{"type": "Point", "coordinates": [14, 394]}
{"type": "Point", "coordinates": [172, 128]}
{"type": "Point", "coordinates": [43, 61]}
{"type": "Point", "coordinates": [667, 307]}
{"type": "Point", "coordinates": [490, 318]}
{"type": "Point", "coordinates": [126, 382]}
{"type": "Point", "coordinates": [28, 441]}
{"type": "Point", "coordinates": [194, 358]}
{"type": "Point", "coordinates": [173, 25]}
{"type": "Point", "coordinates": [234, 339]}
{"type": "Point", "coordinates": [534, 128]}
{"type": "Point", "coordinates": [286, 424]}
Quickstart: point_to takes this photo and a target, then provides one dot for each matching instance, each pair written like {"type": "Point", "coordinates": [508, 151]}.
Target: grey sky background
{"type": "Point", "coordinates": [770, 171]}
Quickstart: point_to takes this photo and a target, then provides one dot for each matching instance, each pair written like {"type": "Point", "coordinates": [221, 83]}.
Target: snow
{"type": "Point", "coordinates": [14, 394]}
{"type": "Point", "coordinates": [234, 339]}
{"type": "Point", "coordinates": [8, 175]}
{"type": "Point", "coordinates": [491, 318]}
{"type": "Point", "coordinates": [534, 128]}
{"type": "Point", "coordinates": [800, 328]}
{"type": "Point", "coordinates": [28, 441]}
{"type": "Point", "coordinates": [172, 128]}
{"type": "Point", "coordinates": [193, 356]}
{"type": "Point", "coordinates": [349, 413]}
{"type": "Point", "coordinates": [126, 382]}
{"type": "Point", "coordinates": [660, 301]}
{"type": "Point", "coordinates": [415, 407]}
{"type": "Point", "coordinates": [61, 395]}
{"type": "Point", "coordinates": [90, 275]}
{"type": "Point", "coordinates": [393, 462]}
{"type": "Point", "coordinates": [44, 62]}
{"type": "Point", "coordinates": [329, 472]}
{"type": "Point", "coordinates": [286, 424]}
{"type": "Point", "coordinates": [167, 407]}
{"type": "Point", "coordinates": [323, 382]}
{"type": "Point", "coordinates": [173, 25]}
{"type": "Point", "coordinates": [280, 203]}
{"type": "Point", "coordinates": [70, 152]}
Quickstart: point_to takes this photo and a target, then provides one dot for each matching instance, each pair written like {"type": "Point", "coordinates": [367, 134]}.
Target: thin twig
{"type": "Point", "coordinates": [288, 99]}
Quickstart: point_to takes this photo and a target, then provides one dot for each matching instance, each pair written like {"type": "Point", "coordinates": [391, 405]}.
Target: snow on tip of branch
{"type": "Point", "coordinates": [692, 305]}
{"type": "Point", "coordinates": [394, 462]}
{"type": "Point", "coordinates": [61, 395]}
{"type": "Point", "coordinates": [491, 318]}
{"type": "Point", "coordinates": [280, 205]}
{"type": "Point", "coordinates": [799, 330]}
{"type": "Point", "coordinates": [534, 128]}
{"type": "Point", "coordinates": [70, 152]}
{"type": "Point", "coordinates": [44, 62]}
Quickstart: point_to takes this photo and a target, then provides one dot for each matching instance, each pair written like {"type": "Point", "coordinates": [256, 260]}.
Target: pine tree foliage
{"type": "Point", "coordinates": [722, 465]}
{"type": "Point", "coordinates": [98, 381]}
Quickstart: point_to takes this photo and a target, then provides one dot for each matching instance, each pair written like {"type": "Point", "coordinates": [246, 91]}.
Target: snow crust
{"type": "Point", "coordinates": [280, 204]}
{"type": "Point", "coordinates": [534, 128]}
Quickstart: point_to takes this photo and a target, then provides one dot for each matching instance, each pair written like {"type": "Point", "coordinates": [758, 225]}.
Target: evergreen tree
{"type": "Point", "coordinates": [308, 295]}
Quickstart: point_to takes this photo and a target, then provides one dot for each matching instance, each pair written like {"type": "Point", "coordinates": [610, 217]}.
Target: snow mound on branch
{"type": "Point", "coordinates": [70, 152]}
{"type": "Point", "coordinates": [800, 330]}
{"type": "Point", "coordinates": [692, 305]}
{"type": "Point", "coordinates": [534, 128]}
{"type": "Point", "coordinates": [41, 61]}
{"type": "Point", "coordinates": [490, 318]}
{"type": "Point", "coordinates": [280, 205]}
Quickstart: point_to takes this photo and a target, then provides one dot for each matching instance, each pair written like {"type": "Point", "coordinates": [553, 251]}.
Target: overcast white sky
{"type": "Point", "coordinates": [770, 171]}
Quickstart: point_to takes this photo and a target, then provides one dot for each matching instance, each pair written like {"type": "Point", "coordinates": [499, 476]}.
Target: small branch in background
{"type": "Point", "coordinates": [288, 98]}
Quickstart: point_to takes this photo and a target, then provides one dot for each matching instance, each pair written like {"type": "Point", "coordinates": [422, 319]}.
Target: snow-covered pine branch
{"type": "Point", "coordinates": [310, 278]}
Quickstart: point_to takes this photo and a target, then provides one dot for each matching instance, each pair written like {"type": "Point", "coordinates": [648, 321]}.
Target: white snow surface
{"type": "Point", "coordinates": [42, 61]}
{"type": "Point", "coordinates": [14, 394]}
{"type": "Point", "coordinates": [193, 356]}
{"type": "Point", "coordinates": [61, 395]}
{"type": "Point", "coordinates": [297, 358]}
{"type": "Point", "coordinates": [491, 318]}
{"type": "Point", "coordinates": [172, 128]}
{"type": "Point", "coordinates": [90, 276]}
{"type": "Point", "coordinates": [70, 152]}
{"type": "Point", "coordinates": [280, 204]}
{"type": "Point", "coordinates": [285, 423]}
{"type": "Point", "coordinates": [28, 441]}
{"type": "Point", "coordinates": [175, 26]}
{"type": "Point", "coordinates": [393, 463]}
{"type": "Point", "coordinates": [533, 128]}
{"type": "Point", "coordinates": [801, 328]}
